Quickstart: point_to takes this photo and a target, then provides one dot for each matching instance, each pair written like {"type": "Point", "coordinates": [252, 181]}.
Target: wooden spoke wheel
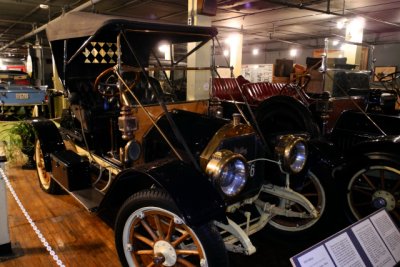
{"type": "Point", "coordinates": [45, 180]}
{"type": "Point", "coordinates": [149, 232]}
{"type": "Point", "coordinates": [315, 193]}
{"type": "Point", "coordinates": [317, 187]}
{"type": "Point", "coordinates": [374, 187]}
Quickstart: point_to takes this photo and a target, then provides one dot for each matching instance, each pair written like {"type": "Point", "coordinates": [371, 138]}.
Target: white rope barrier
{"type": "Point", "coordinates": [31, 222]}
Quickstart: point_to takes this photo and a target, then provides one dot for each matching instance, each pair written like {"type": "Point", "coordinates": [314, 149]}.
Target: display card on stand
{"type": "Point", "coordinates": [372, 241]}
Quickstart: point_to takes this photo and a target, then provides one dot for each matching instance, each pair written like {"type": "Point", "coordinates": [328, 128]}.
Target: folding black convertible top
{"type": "Point", "coordinates": [82, 24]}
{"type": "Point", "coordinates": [92, 38]}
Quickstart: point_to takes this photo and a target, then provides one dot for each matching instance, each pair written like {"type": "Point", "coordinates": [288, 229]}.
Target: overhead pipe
{"type": "Point", "coordinates": [375, 19]}
{"type": "Point", "coordinates": [329, 12]}
{"type": "Point", "coordinates": [303, 6]}
{"type": "Point", "coordinates": [15, 21]}
{"type": "Point", "coordinates": [25, 16]}
{"type": "Point", "coordinates": [43, 27]}
{"type": "Point", "coordinates": [34, 10]}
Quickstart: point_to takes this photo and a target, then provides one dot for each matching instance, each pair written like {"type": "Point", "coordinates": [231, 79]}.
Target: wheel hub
{"type": "Point", "coordinates": [383, 199]}
{"type": "Point", "coordinates": [164, 252]}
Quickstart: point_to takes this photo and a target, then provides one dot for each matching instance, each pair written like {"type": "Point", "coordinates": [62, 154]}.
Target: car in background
{"type": "Point", "coordinates": [362, 126]}
{"type": "Point", "coordinates": [18, 96]}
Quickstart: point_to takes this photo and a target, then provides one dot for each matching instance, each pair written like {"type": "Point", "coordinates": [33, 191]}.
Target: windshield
{"type": "Point", "coordinates": [145, 55]}
{"type": "Point", "coordinates": [344, 66]}
{"type": "Point", "coordinates": [144, 70]}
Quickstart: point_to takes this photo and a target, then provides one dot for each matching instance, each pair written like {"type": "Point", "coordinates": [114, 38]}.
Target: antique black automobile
{"type": "Point", "coordinates": [180, 184]}
{"type": "Point", "coordinates": [360, 120]}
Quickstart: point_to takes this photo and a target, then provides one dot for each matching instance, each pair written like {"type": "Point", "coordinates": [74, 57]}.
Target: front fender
{"type": "Point", "coordinates": [196, 198]}
{"type": "Point", "coordinates": [50, 139]}
{"type": "Point", "coordinates": [381, 145]}
{"type": "Point", "coordinates": [322, 159]}
{"type": "Point", "coordinates": [321, 150]}
{"type": "Point", "coordinates": [385, 148]}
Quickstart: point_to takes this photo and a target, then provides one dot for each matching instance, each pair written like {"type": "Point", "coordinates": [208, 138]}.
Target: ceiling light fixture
{"type": "Point", "coordinates": [163, 48]}
{"type": "Point", "coordinates": [340, 24]}
{"type": "Point", "coordinates": [357, 23]}
{"type": "Point", "coordinates": [44, 6]}
{"type": "Point", "coordinates": [255, 52]}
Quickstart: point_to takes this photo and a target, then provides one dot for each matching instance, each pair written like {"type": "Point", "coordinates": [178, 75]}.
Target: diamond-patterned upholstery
{"type": "Point", "coordinates": [100, 53]}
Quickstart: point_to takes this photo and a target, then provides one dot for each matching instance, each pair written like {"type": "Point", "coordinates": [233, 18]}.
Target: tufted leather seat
{"type": "Point", "coordinates": [228, 88]}
{"type": "Point", "coordinates": [257, 92]}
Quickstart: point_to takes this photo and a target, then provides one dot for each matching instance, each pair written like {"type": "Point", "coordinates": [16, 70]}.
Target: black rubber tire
{"type": "Point", "coordinates": [317, 188]}
{"type": "Point", "coordinates": [156, 201]}
{"type": "Point", "coordinates": [369, 185]}
{"type": "Point", "coordinates": [284, 114]}
{"type": "Point", "coordinates": [46, 182]}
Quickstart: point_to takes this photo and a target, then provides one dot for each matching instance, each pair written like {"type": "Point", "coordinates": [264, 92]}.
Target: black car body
{"type": "Point", "coordinates": [363, 130]}
{"type": "Point", "coordinates": [175, 180]}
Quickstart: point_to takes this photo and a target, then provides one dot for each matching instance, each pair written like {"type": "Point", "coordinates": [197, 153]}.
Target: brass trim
{"type": "Point", "coordinates": [284, 148]}
{"type": "Point", "coordinates": [227, 131]}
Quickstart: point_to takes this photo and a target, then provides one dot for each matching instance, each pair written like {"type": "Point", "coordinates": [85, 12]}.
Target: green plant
{"type": "Point", "coordinates": [18, 137]}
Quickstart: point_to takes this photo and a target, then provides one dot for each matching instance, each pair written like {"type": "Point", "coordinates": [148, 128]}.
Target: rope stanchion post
{"type": "Point", "coordinates": [5, 243]}
{"type": "Point", "coordinates": [4, 234]}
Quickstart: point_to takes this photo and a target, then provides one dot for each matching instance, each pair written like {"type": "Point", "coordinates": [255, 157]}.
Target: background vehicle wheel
{"type": "Point", "coordinates": [150, 232]}
{"type": "Point", "coordinates": [316, 190]}
{"type": "Point", "coordinates": [46, 182]}
{"type": "Point", "coordinates": [373, 185]}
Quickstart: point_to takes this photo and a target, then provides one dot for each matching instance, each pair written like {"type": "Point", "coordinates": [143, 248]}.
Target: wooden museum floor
{"type": "Point", "coordinates": [80, 238]}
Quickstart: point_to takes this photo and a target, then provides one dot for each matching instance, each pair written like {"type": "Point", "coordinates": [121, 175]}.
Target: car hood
{"type": "Point", "coordinates": [20, 89]}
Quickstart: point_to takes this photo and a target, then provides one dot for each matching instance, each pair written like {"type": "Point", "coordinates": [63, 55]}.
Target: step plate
{"type": "Point", "coordinates": [90, 198]}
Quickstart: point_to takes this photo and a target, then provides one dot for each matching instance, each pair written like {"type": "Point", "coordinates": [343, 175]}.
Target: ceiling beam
{"type": "Point", "coordinates": [43, 27]}
{"type": "Point", "coordinates": [307, 6]}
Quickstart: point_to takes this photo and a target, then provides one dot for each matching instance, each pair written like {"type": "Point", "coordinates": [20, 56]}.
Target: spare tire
{"type": "Point", "coordinates": [284, 115]}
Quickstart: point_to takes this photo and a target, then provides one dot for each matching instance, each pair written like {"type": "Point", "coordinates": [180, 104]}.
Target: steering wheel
{"type": "Point", "coordinates": [107, 81]}
{"type": "Point", "coordinates": [392, 80]}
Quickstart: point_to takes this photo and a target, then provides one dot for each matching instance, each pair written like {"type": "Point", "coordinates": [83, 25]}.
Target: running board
{"type": "Point", "coordinates": [90, 198]}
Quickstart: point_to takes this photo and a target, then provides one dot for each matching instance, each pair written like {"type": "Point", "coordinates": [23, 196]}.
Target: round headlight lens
{"type": "Point", "coordinates": [292, 152]}
{"type": "Point", "coordinates": [233, 177]}
{"type": "Point", "coordinates": [229, 171]}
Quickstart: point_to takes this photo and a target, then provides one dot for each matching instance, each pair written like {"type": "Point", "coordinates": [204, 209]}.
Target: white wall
{"type": "Point", "coordinates": [386, 55]}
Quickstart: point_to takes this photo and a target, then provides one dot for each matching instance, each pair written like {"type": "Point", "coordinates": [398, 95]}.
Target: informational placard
{"type": "Point", "coordinates": [258, 72]}
{"type": "Point", "coordinates": [372, 241]}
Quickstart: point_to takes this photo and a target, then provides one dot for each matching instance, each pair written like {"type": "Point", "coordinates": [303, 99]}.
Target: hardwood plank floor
{"type": "Point", "coordinates": [80, 238]}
